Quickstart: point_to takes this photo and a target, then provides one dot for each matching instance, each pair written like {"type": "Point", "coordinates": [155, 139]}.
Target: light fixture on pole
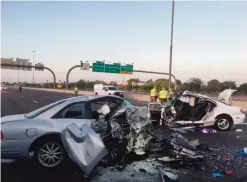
{"type": "Point", "coordinates": [33, 65]}
{"type": "Point", "coordinates": [170, 64]}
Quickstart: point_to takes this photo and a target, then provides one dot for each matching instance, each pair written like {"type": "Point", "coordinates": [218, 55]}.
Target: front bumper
{"type": "Point", "coordinates": [239, 119]}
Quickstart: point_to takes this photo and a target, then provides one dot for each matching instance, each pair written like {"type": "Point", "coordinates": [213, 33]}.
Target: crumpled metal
{"type": "Point", "coordinates": [84, 146]}
{"type": "Point", "coordinates": [140, 130]}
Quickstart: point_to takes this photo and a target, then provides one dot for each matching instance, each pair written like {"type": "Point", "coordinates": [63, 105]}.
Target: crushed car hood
{"type": "Point", "coordinates": [226, 94]}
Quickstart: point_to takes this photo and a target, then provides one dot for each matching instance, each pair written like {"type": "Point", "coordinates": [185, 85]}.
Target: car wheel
{"type": "Point", "coordinates": [96, 93]}
{"type": "Point", "coordinates": [223, 123]}
{"type": "Point", "coordinates": [50, 154]}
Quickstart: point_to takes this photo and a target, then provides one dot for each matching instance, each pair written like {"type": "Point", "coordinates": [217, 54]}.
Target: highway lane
{"type": "Point", "coordinates": [13, 102]}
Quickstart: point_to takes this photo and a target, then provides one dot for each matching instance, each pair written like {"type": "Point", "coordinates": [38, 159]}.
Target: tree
{"type": "Point", "coordinates": [131, 82]}
{"type": "Point", "coordinates": [147, 86]}
{"type": "Point", "coordinates": [195, 84]}
{"type": "Point", "coordinates": [134, 80]}
{"type": "Point", "coordinates": [213, 85]}
{"type": "Point", "coordinates": [159, 83]}
{"type": "Point", "coordinates": [113, 83]}
{"type": "Point", "coordinates": [178, 82]}
{"type": "Point", "coordinates": [228, 84]}
{"type": "Point", "coordinates": [243, 88]}
{"type": "Point", "coordinates": [81, 83]}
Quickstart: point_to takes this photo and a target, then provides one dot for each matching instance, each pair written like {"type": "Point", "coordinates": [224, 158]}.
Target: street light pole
{"type": "Point", "coordinates": [33, 65]}
{"type": "Point", "coordinates": [170, 64]}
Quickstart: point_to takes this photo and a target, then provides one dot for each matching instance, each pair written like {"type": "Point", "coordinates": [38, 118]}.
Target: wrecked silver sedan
{"type": "Point", "coordinates": [80, 128]}
{"type": "Point", "coordinates": [39, 132]}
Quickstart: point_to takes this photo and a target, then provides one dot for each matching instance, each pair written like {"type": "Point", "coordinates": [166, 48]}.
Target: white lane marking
{"type": "Point", "coordinates": [35, 102]}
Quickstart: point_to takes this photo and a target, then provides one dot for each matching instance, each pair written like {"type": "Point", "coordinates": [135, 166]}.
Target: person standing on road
{"type": "Point", "coordinates": [153, 94]}
{"type": "Point", "coordinates": [76, 90]}
{"type": "Point", "coordinates": [20, 88]}
{"type": "Point", "coordinates": [171, 94]}
{"type": "Point", "coordinates": [163, 95]}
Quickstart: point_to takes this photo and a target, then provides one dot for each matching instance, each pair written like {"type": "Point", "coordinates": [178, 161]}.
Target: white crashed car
{"type": "Point", "coordinates": [196, 109]}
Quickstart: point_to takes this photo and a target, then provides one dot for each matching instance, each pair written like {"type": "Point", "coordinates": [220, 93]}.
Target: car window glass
{"type": "Point", "coordinates": [43, 109]}
{"type": "Point", "coordinates": [114, 103]}
{"type": "Point", "coordinates": [75, 111]}
{"type": "Point", "coordinates": [97, 104]}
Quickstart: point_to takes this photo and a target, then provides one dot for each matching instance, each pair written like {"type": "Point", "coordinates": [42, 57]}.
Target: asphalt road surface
{"type": "Point", "coordinates": [12, 102]}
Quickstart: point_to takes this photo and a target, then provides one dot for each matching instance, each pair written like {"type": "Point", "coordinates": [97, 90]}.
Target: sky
{"type": "Point", "coordinates": [210, 38]}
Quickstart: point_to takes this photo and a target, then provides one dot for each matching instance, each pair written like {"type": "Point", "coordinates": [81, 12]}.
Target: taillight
{"type": "Point", "coordinates": [2, 135]}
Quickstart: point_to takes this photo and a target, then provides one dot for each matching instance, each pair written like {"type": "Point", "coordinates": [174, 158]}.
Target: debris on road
{"type": "Point", "coordinates": [226, 159]}
{"type": "Point", "coordinates": [142, 170]}
{"type": "Point", "coordinates": [170, 175]}
{"type": "Point", "coordinates": [238, 130]}
{"type": "Point", "coordinates": [245, 150]}
{"type": "Point", "coordinates": [215, 175]}
{"type": "Point", "coordinates": [228, 172]}
{"type": "Point", "coordinates": [208, 130]}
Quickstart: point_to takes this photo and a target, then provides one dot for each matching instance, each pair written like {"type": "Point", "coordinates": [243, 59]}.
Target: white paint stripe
{"type": "Point", "coordinates": [35, 102]}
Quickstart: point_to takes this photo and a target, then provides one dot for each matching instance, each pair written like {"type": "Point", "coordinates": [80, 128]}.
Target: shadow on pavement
{"type": "Point", "coordinates": [30, 172]}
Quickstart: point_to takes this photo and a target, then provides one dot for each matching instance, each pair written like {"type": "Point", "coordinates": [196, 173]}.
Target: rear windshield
{"type": "Point", "coordinates": [39, 111]}
{"type": "Point", "coordinates": [112, 88]}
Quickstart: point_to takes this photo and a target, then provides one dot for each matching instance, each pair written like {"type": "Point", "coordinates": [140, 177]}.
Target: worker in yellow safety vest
{"type": "Point", "coordinates": [163, 95]}
{"type": "Point", "coordinates": [153, 94]}
{"type": "Point", "coordinates": [171, 94]}
{"type": "Point", "coordinates": [76, 90]}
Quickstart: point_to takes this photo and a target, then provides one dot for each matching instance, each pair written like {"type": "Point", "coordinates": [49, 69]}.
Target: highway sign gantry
{"type": "Point", "coordinates": [108, 67]}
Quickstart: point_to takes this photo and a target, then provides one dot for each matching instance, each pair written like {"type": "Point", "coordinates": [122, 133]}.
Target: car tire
{"type": "Point", "coordinates": [96, 93]}
{"type": "Point", "coordinates": [50, 154]}
{"type": "Point", "coordinates": [223, 123]}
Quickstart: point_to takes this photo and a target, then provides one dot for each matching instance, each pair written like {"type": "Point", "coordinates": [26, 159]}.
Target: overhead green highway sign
{"type": "Point", "coordinates": [99, 66]}
{"type": "Point", "coordinates": [127, 69]}
{"type": "Point", "coordinates": [108, 67]}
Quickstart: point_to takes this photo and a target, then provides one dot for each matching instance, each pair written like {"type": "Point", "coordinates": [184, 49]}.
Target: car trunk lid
{"type": "Point", "coordinates": [226, 94]}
